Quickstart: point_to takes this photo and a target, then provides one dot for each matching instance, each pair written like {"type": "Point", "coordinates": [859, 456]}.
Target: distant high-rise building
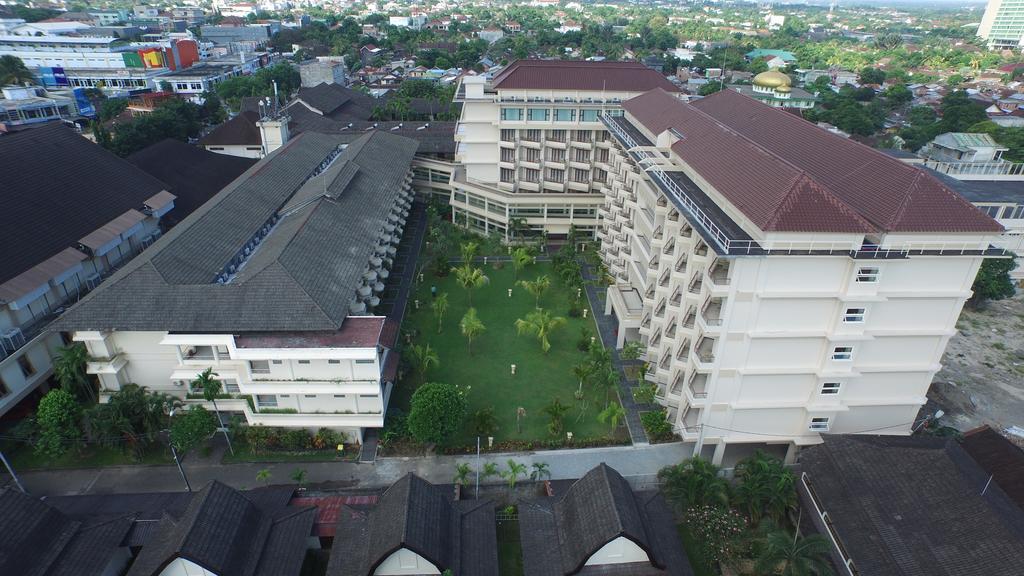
{"type": "Point", "coordinates": [1003, 24]}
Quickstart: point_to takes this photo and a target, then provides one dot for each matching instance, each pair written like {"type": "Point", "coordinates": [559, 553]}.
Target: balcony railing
{"type": "Point", "coordinates": [976, 168]}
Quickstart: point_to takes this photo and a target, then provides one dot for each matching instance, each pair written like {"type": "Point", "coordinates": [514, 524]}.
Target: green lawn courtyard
{"type": "Point", "coordinates": [539, 378]}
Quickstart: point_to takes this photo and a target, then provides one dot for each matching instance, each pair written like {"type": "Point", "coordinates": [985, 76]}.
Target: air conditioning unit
{"type": "Point", "coordinates": [12, 339]}
{"type": "Point", "coordinates": [93, 281]}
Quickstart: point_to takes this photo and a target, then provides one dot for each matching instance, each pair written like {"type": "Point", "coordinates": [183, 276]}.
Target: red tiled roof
{"type": "Point", "coordinates": [581, 75]}
{"type": "Point", "coordinates": [788, 175]}
{"type": "Point", "coordinates": [355, 332]}
{"type": "Point", "coordinates": [328, 508]}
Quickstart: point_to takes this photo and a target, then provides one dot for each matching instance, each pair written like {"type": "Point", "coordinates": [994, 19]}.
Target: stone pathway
{"type": "Point", "coordinates": [606, 331]}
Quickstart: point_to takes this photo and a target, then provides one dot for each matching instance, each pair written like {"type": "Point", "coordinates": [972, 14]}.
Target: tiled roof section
{"type": "Point", "coordinates": [58, 188]}
{"type": "Point", "coordinates": [580, 75]}
{"type": "Point", "coordinates": [999, 457]}
{"type": "Point", "coordinates": [418, 516]}
{"type": "Point", "coordinates": [193, 174]}
{"type": "Point", "coordinates": [337, 102]}
{"type": "Point", "coordinates": [301, 277]}
{"type": "Point", "coordinates": [239, 131]}
{"type": "Point", "coordinates": [910, 506]}
{"type": "Point", "coordinates": [892, 195]}
{"type": "Point", "coordinates": [774, 194]}
{"type": "Point", "coordinates": [355, 332]}
{"type": "Point", "coordinates": [41, 541]}
{"type": "Point", "coordinates": [433, 137]}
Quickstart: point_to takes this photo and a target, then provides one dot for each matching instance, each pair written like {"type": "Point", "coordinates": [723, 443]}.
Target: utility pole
{"type": "Point", "coordinates": [177, 460]}
{"type": "Point", "coordinates": [15, 476]}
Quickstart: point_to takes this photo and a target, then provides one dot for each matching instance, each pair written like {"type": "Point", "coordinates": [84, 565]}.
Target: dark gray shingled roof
{"type": "Point", "coordinates": [226, 532]}
{"type": "Point", "coordinates": [338, 102]}
{"type": "Point", "coordinates": [433, 137]}
{"type": "Point", "coordinates": [38, 540]}
{"type": "Point", "coordinates": [303, 274]}
{"type": "Point", "coordinates": [913, 506]}
{"type": "Point", "coordinates": [418, 516]}
{"type": "Point", "coordinates": [57, 188]}
{"type": "Point", "coordinates": [560, 534]}
{"type": "Point", "coordinates": [238, 131]}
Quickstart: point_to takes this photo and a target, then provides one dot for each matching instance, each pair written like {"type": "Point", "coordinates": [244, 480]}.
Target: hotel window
{"type": "Point", "coordinates": [579, 155]}
{"type": "Point", "coordinates": [531, 135]}
{"type": "Point", "coordinates": [867, 275]}
{"type": "Point", "coordinates": [266, 400]}
{"type": "Point", "coordinates": [558, 213]}
{"type": "Point", "coordinates": [277, 361]}
{"type": "Point", "coordinates": [853, 315]}
{"type": "Point", "coordinates": [842, 353]}
{"type": "Point", "coordinates": [259, 366]}
{"type": "Point", "coordinates": [602, 155]}
{"type": "Point", "coordinates": [601, 136]}
{"type": "Point", "coordinates": [556, 135]}
{"type": "Point", "coordinates": [508, 175]}
{"type": "Point", "coordinates": [366, 361]}
{"type": "Point", "coordinates": [334, 361]}
{"type": "Point", "coordinates": [556, 175]}
{"type": "Point", "coordinates": [584, 212]}
{"type": "Point", "coordinates": [589, 115]}
{"type": "Point", "coordinates": [556, 155]}
{"type": "Point", "coordinates": [538, 114]}
{"type": "Point", "coordinates": [581, 135]}
{"type": "Point", "coordinates": [600, 175]}
{"type": "Point", "coordinates": [829, 388]}
{"type": "Point", "coordinates": [508, 155]}
{"type": "Point", "coordinates": [614, 112]}
{"type": "Point", "coordinates": [819, 424]}
{"type": "Point", "coordinates": [512, 114]}
{"type": "Point", "coordinates": [579, 175]}
{"type": "Point", "coordinates": [231, 385]}
{"type": "Point", "coordinates": [508, 135]}
{"type": "Point", "coordinates": [303, 361]}
{"type": "Point", "coordinates": [565, 115]}
{"type": "Point", "coordinates": [530, 175]}
{"type": "Point", "coordinates": [531, 155]}
{"type": "Point", "coordinates": [460, 197]}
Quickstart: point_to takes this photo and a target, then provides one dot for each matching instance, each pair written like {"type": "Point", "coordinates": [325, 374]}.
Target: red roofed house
{"type": "Point", "coordinates": [785, 282]}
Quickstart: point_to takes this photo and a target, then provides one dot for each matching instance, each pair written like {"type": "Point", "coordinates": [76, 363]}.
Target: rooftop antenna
{"type": "Point", "coordinates": [276, 100]}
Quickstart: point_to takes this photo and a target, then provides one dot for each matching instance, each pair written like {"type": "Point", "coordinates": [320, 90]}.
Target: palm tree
{"type": "Point", "coordinates": [520, 259]}
{"type": "Point", "coordinates": [556, 413]}
{"type": "Point", "coordinates": [694, 482]}
{"type": "Point", "coordinates": [462, 472]}
{"type": "Point", "coordinates": [600, 357]}
{"type": "Point", "coordinates": [786, 555]}
{"type": "Point", "coordinates": [540, 471]}
{"type": "Point", "coordinates": [211, 387]}
{"type": "Point", "coordinates": [612, 415]}
{"type": "Point", "coordinates": [582, 371]}
{"type": "Point", "coordinates": [469, 251]}
{"type": "Point", "coordinates": [765, 487]}
{"type": "Point", "coordinates": [490, 469]}
{"type": "Point", "coordinates": [472, 327]}
{"type": "Point", "coordinates": [540, 323]}
{"type": "Point", "coordinates": [516, 226]}
{"type": "Point", "coordinates": [299, 476]}
{"type": "Point", "coordinates": [69, 368]}
{"type": "Point", "coordinates": [470, 279]}
{"type": "Point", "coordinates": [515, 469]}
{"type": "Point", "coordinates": [537, 287]}
{"type": "Point", "coordinates": [263, 476]}
{"type": "Point", "coordinates": [440, 307]}
{"type": "Point", "coordinates": [605, 380]}
{"type": "Point", "coordinates": [424, 358]}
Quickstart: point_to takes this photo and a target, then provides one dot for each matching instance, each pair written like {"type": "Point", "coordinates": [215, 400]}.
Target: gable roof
{"type": "Point", "coordinates": [418, 516]}
{"type": "Point", "coordinates": [239, 131]}
{"type": "Point", "coordinates": [581, 75]}
{"type": "Point", "coordinates": [193, 175]}
{"type": "Point", "coordinates": [317, 236]}
{"type": "Point", "coordinates": [41, 541]}
{"type": "Point", "coordinates": [788, 175]}
{"type": "Point", "coordinates": [226, 532]}
{"type": "Point", "coordinates": [58, 189]}
{"type": "Point", "coordinates": [559, 535]}
{"type": "Point", "coordinates": [1000, 458]}
{"type": "Point", "coordinates": [337, 102]}
{"type": "Point", "coordinates": [914, 505]}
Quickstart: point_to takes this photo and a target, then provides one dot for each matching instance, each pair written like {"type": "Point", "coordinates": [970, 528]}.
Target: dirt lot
{"type": "Point", "coordinates": [982, 381]}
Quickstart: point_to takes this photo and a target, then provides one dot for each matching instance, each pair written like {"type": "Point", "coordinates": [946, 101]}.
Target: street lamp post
{"type": "Point", "coordinates": [177, 460]}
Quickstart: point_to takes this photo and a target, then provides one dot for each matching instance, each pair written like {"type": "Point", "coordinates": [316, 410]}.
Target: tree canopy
{"type": "Point", "coordinates": [436, 412]}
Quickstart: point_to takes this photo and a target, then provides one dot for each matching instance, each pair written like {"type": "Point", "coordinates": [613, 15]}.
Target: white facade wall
{"type": "Point", "coordinates": [183, 567]}
{"type": "Point", "coordinates": [621, 550]}
{"type": "Point", "coordinates": [405, 562]}
{"type": "Point", "coordinates": [779, 348]}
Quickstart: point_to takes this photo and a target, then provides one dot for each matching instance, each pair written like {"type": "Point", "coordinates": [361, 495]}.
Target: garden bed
{"type": "Point", "coordinates": [25, 458]}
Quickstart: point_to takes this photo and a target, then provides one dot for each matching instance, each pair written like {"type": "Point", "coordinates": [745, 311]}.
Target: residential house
{"type": "Point", "coordinates": [113, 214]}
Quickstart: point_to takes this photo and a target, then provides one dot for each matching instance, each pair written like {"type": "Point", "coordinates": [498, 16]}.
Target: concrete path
{"type": "Point", "coordinates": [639, 464]}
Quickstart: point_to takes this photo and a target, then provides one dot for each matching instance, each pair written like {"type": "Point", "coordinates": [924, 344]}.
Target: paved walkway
{"type": "Point", "coordinates": [639, 464]}
{"type": "Point", "coordinates": [606, 331]}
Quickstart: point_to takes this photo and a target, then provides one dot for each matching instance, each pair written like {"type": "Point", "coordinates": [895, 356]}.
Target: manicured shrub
{"type": "Point", "coordinates": [296, 439]}
{"type": "Point", "coordinates": [436, 412]}
{"type": "Point", "coordinates": [656, 425]}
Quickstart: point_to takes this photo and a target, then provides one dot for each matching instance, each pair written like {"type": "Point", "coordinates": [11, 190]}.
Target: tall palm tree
{"type": "Point", "coordinates": [69, 368]}
{"type": "Point", "coordinates": [520, 259]}
{"type": "Point", "coordinates": [469, 251]}
{"type": "Point", "coordinates": [581, 371]}
{"type": "Point", "coordinates": [470, 279]}
{"type": "Point", "coordinates": [556, 414]}
{"type": "Point", "coordinates": [605, 381]}
{"type": "Point", "coordinates": [471, 327]}
{"type": "Point", "coordinates": [424, 358]}
{"type": "Point", "coordinates": [462, 472]}
{"type": "Point", "coordinates": [211, 387]}
{"type": "Point", "coordinates": [536, 288]}
{"type": "Point", "coordinates": [612, 415]}
{"type": "Point", "coordinates": [765, 487]}
{"type": "Point", "coordinates": [694, 482]}
{"type": "Point", "coordinates": [515, 470]}
{"type": "Point", "coordinates": [440, 307]}
{"type": "Point", "coordinates": [516, 226]}
{"type": "Point", "coordinates": [540, 471]}
{"type": "Point", "coordinates": [540, 323]}
{"type": "Point", "coordinates": [788, 555]}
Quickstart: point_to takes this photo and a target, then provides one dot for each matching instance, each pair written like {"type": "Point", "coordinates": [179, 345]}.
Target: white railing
{"type": "Point", "coordinates": [976, 168]}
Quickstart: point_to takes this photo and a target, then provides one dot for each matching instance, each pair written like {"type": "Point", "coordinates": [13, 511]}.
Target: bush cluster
{"type": "Point", "coordinates": [264, 439]}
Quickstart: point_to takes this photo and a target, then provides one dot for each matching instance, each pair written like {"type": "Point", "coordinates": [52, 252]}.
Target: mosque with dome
{"type": "Point", "coordinates": [776, 89]}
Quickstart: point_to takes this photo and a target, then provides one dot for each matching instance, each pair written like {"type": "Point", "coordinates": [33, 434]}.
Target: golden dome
{"type": "Point", "coordinates": [772, 79]}
{"type": "Point", "coordinates": [783, 89]}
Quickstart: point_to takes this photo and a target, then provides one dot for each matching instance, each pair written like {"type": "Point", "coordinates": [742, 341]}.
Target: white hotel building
{"type": "Point", "coordinates": [531, 145]}
{"type": "Point", "coordinates": [272, 284]}
{"type": "Point", "coordinates": [787, 283]}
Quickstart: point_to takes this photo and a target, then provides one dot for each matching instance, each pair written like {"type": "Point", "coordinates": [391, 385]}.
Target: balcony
{"type": "Point", "coordinates": [656, 340]}
{"type": "Point", "coordinates": [691, 420]}
{"type": "Point", "coordinates": [659, 312]}
{"type": "Point", "coordinates": [697, 387]}
{"type": "Point", "coordinates": [690, 318]}
{"type": "Point", "coordinates": [673, 215]}
{"type": "Point", "coordinates": [672, 325]}
{"type": "Point", "coordinates": [677, 384]}
{"type": "Point", "coordinates": [711, 313]}
{"type": "Point", "coordinates": [681, 264]}
{"type": "Point", "coordinates": [718, 273]}
{"type": "Point", "coordinates": [677, 298]}
{"type": "Point", "coordinates": [670, 247]}
{"type": "Point", "coordinates": [701, 249]}
{"type": "Point", "coordinates": [696, 285]}
{"type": "Point", "coordinates": [705, 350]}
{"type": "Point", "coordinates": [646, 322]}
{"type": "Point", "coordinates": [666, 360]}
{"type": "Point", "coordinates": [665, 276]}
{"type": "Point", "coordinates": [684, 350]}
